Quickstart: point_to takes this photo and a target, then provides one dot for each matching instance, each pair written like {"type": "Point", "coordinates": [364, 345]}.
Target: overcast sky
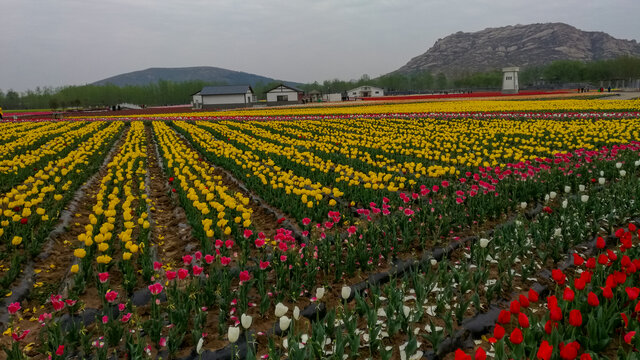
{"type": "Point", "coordinates": [74, 42]}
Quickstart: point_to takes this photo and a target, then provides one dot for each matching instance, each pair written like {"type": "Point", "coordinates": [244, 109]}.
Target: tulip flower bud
{"type": "Point", "coordinates": [296, 313]}
{"type": "Point", "coordinates": [552, 195]}
{"type": "Point", "coordinates": [565, 202]}
{"type": "Point", "coordinates": [567, 189]}
{"type": "Point", "coordinates": [346, 292]}
{"type": "Point", "coordinates": [584, 198]}
{"type": "Point", "coordinates": [623, 173]}
{"type": "Point", "coordinates": [233, 334]}
{"type": "Point", "coordinates": [601, 181]}
{"type": "Point", "coordinates": [281, 309]}
{"type": "Point", "coordinates": [284, 323]}
{"type": "Point", "coordinates": [523, 205]}
{"type": "Point", "coordinates": [246, 321]}
{"type": "Point", "coordinates": [319, 292]}
{"type": "Point", "coordinates": [484, 242]}
{"type": "Point", "coordinates": [618, 165]}
{"type": "Point", "coordinates": [199, 347]}
{"type": "Point", "coordinates": [581, 187]}
{"type": "Point", "coordinates": [406, 310]}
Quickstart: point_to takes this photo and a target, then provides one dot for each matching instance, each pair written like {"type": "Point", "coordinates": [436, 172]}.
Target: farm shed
{"type": "Point", "coordinates": [228, 96]}
{"type": "Point", "coordinates": [284, 94]}
{"type": "Point", "coordinates": [365, 91]}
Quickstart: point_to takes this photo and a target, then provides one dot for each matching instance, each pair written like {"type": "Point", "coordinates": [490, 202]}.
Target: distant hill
{"type": "Point", "coordinates": [518, 45]}
{"type": "Point", "coordinates": [204, 73]}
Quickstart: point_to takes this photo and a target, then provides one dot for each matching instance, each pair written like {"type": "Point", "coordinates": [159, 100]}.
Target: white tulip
{"type": "Point", "coordinates": [523, 205]}
{"type": "Point", "coordinates": [552, 195]}
{"type": "Point", "coordinates": [246, 321]}
{"type": "Point", "coordinates": [319, 292]}
{"type": "Point", "coordinates": [581, 187]}
{"type": "Point", "coordinates": [434, 262]}
{"type": "Point", "coordinates": [199, 347]}
{"type": "Point", "coordinates": [601, 181]}
{"type": "Point", "coordinates": [281, 309]}
{"type": "Point", "coordinates": [637, 163]}
{"type": "Point", "coordinates": [484, 242]}
{"type": "Point", "coordinates": [618, 165]}
{"type": "Point", "coordinates": [233, 334]}
{"type": "Point", "coordinates": [565, 202]}
{"type": "Point", "coordinates": [296, 313]}
{"type": "Point", "coordinates": [406, 310]}
{"type": "Point", "coordinates": [601, 173]}
{"type": "Point", "coordinates": [567, 189]}
{"type": "Point", "coordinates": [304, 338]}
{"type": "Point", "coordinates": [558, 232]}
{"type": "Point", "coordinates": [546, 198]}
{"type": "Point", "coordinates": [285, 343]}
{"type": "Point", "coordinates": [346, 292]}
{"type": "Point", "coordinates": [623, 173]}
{"type": "Point", "coordinates": [284, 323]}
{"type": "Point", "coordinates": [584, 198]}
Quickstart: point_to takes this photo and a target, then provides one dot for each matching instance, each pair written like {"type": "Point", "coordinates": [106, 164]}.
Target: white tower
{"type": "Point", "coordinates": [510, 80]}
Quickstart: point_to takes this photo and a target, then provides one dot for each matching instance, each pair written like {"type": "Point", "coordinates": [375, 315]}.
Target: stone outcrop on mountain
{"type": "Point", "coordinates": [518, 45]}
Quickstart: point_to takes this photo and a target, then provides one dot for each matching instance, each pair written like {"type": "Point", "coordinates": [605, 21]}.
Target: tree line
{"type": "Point", "coordinates": [163, 92]}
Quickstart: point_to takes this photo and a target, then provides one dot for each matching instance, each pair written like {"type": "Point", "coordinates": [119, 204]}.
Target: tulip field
{"type": "Point", "coordinates": [444, 230]}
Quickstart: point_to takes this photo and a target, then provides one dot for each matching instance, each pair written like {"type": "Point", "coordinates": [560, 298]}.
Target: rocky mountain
{"type": "Point", "coordinates": [208, 74]}
{"type": "Point", "coordinates": [518, 45]}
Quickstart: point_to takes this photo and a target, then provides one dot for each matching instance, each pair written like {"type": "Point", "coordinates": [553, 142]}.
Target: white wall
{"type": "Point", "coordinates": [272, 96]}
{"type": "Point", "coordinates": [224, 99]}
{"type": "Point", "coordinates": [359, 91]}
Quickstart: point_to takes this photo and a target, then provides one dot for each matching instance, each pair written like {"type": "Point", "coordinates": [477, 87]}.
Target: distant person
{"type": "Point", "coordinates": [609, 89]}
{"type": "Point", "coordinates": [0, 113]}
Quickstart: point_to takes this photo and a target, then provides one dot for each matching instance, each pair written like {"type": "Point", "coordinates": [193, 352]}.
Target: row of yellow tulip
{"type": "Point", "coordinates": [213, 200]}
{"type": "Point", "coordinates": [114, 211]}
{"type": "Point", "coordinates": [310, 192]}
{"type": "Point", "coordinates": [50, 148]}
{"type": "Point", "coordinates": [26, 140]}
{"type": "Point", "coordinates": [15, 130]}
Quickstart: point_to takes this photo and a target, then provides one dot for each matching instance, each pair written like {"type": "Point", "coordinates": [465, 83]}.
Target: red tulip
{"type": "Point", "coordinates": [575, 317]}
{"type": "Point", "coordinates": [103, 277]}
{"type": "Point", "coordinates": [549, 326]}
{"type": "Point", "coordinates": [585, 356]}
{"type": "Point", "coordinates": [514, 307]}
{"type": "Point", "coordinates": [460, 355]}
{"type": "Point", "coordinates": [544, 351]}
{"type": "Point", "coordinates": [244, 276]}
{"type": "Point", "coordinates": [60, 350]}
{"type": "Point", "coordinates": [629, 336]}
{"type": "Point", "coordinates": [579, 283]}
{"type": "Point", "coordinates": [197, 270]}
{"type": "Point", "coordinates": [555, 314]}
{"type": "Point", "coordinates": [14, 307]}
{"type": "Point", "coordinates": [568, 294]}
{"type": "Point", "coordinates": [504, 317]}
{"type": "Point", "coordinates": [523, 320]}
{"type": "Point", "coordinates": [607, 292]}
{"type": "Point", "coordinates": [632, 292]}
{"type": "Point", "coordinates": [558, 276]}
{"type": "Point", "coordinates": [592, 299]}
{"type": "Point", "coordinates": [625, 318]}
{"type": "Point", "coordinates": [523, 301]}
{"type": "Point", "coordinates": [533, 295]}
{"type": "Point", "coordinates": [498, 332]}
{"type": "Point", "coordinates": [600, 243]}
{"type": "Point", "coordinates": [171, 274]}
{"type": "Point", "coordinates": [569, 351]}
{"type": "Point", "coordinates": [480, 354]}
{"type": "Point", "coordinates": [516, 336]}
{"type": "Point", "coordinates": [183, 273]}
{"type": "Point", "coordinates": [111, 296]}
{"type": "Point", "coordinates": [577, 259]}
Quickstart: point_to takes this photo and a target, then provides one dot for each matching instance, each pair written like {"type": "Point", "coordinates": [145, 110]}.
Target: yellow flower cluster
{"type": "Point", "coordinates": [28, 137]}
{"type": "Point", "coordinates": [122, 189]}
{"type": "Point", "coordinates": [47, 184]}
{"type": "Point", "coordinates": [266, 170]}
{"type": "Point", "coordinates": [216, 203]}
{"type": "Point", "coordinates": [52, 147]}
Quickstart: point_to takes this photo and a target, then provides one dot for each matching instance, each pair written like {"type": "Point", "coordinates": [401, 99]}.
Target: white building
{"type": "Point", "coordinates": [283, 94]}
{"type": "Point", "coordinates": [227, 96]}
{"type": "Point", "coordinates": [510, 80]}
{"type": "Point", "coordinates": [365, 91]}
